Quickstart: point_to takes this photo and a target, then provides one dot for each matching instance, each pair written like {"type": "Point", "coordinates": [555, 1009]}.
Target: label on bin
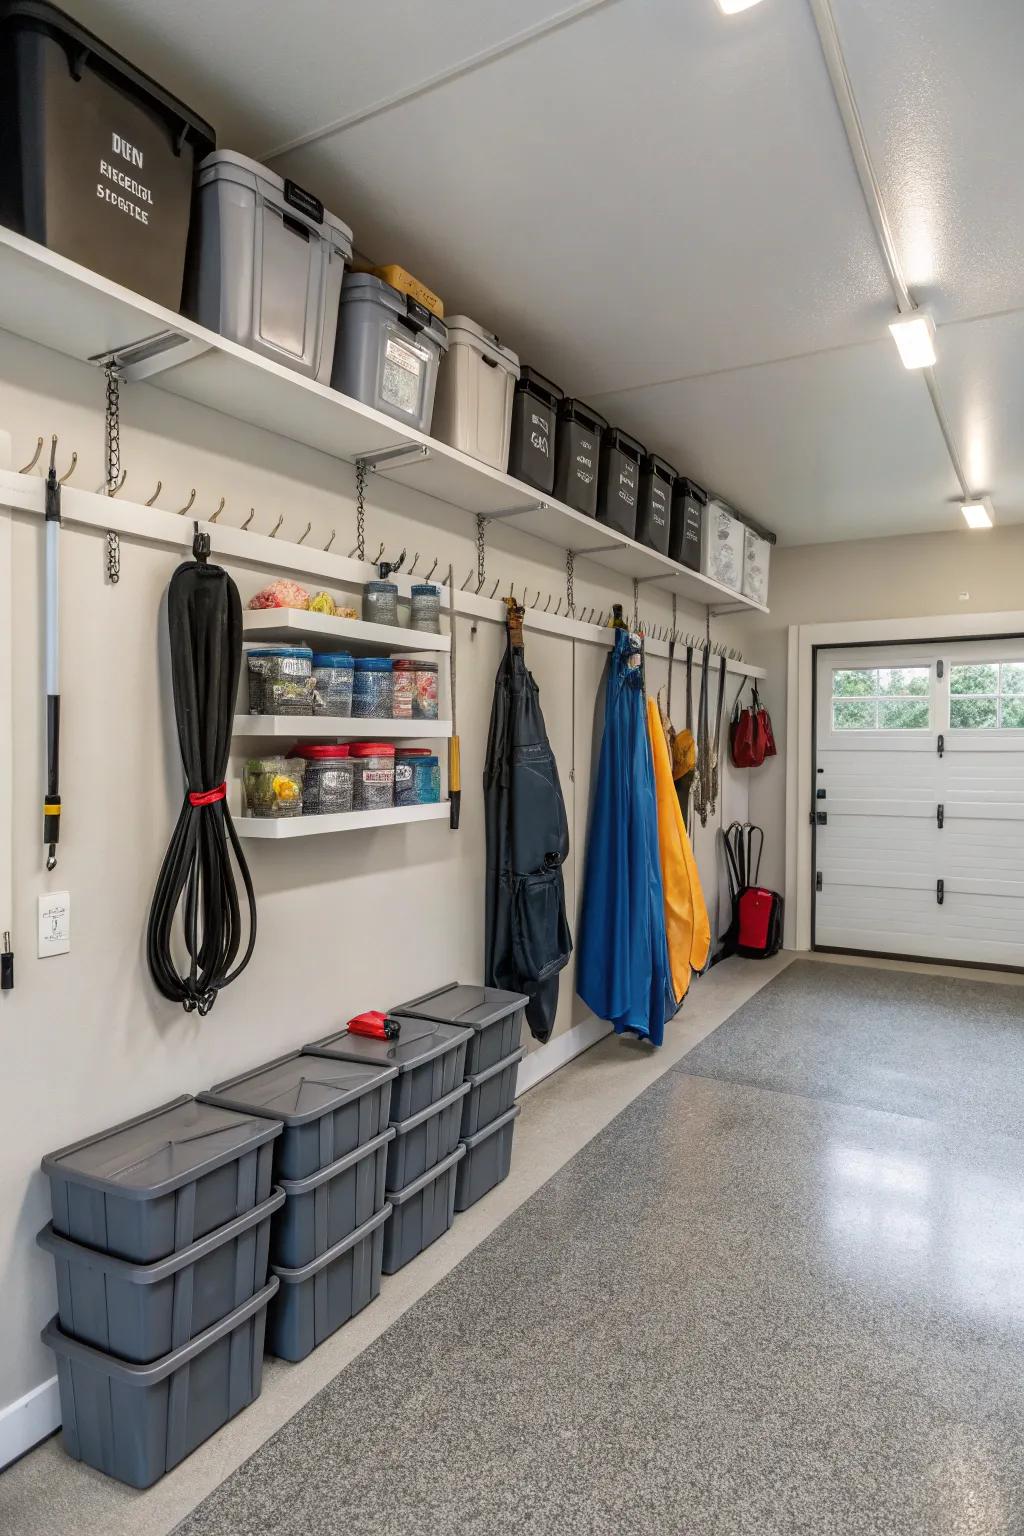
{"type": "Point", "coordinates": [304, 201]}
{"type": "Point", "coordinates": [659, 507]}
{"type": "Point", "coordinates": [401, 375]}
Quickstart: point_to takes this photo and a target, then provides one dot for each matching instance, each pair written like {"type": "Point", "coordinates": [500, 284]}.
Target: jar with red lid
{"type": "Point", "coordinates": [328, 781]}
{"type": "Point", "coordinates": [373, 775]}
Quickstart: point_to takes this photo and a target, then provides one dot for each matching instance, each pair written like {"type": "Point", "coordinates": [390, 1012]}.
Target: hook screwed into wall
{"type": "Point", "coordinates": [112, 490]}
{"type": "Point", "coordinates": [34, 460]}
{"type": "Point", "coordinates": [430, 573]}
{"type": "Point", "coordinates": [188, 505]}
{"type": "Point", "coordinates": [330, 541]}
{"type": "Point", "coordinates": [156, 493]}
{"type": "Point", "coordinates": [277, 525]}
{"type": "Point", "coordinates": [220, 509]}
{"type": "Point", "coordinates": [305, 533]}
{"type": "Point", "coordinates": [252, 514]}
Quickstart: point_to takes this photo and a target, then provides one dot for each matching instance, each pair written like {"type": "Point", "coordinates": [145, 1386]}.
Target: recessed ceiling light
{"type": "Point", "coordinates": [978, 514]}
{"type": "Point", "coordinates": [731, 7]}
{"type": "Point", "coordinates": [915, 339]}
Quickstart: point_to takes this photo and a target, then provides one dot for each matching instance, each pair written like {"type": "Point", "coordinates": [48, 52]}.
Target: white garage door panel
{"type": "Point", "coordinates": [881, 852]}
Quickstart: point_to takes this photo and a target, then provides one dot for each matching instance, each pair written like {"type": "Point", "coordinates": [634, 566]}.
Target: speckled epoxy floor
{"type": "Point", "coordinates": [739, 1309]}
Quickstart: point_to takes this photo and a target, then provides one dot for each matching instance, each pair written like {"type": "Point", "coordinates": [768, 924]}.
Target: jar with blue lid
{"type": "Point", "coordinates": [426, 608]}
{"type": "Point", "coordinates": [280, 680]}
{"type": "Point", "coordinates": [380, 602]}
{"type": "Point", "coordinates": [333, 673]}
{"type": "Point", "coordinates": [373, 688]}
{"type": "Point", "coordinates": [417, 776]}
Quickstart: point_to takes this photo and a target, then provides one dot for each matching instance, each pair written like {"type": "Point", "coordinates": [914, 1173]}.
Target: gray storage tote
{"type": "Point", "coordinates": [388, 350]}
{"type": "Point", "coordinates": [152, 1185]}
{"type": "Point", "coordinates": [136, 1422]}
{"type": "Point", "coordinates": [494, 1015]}
{"type": "Point", "coordinates": [491, 1093]}
{"type": "Point", "coordinates": [424, 1139]}
{"type": "Point", "coordinates": [142, 1311]}
{"type": "Point", "coordinates": [430, 1059]}
{"type": "Point", "coordinates": [421, 1213]}
{"type": "Point", "coordinates": [488, 1160]}
{"type": "Point", "coordinates": [318, 1299]}
{"type": "Point", "coordinates": [326, 1108]}
{"type": "Point", "coordinates": [324, 1209]}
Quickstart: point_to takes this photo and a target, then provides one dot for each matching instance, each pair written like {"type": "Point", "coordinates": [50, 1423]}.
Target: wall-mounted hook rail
{"type": "Point", "coordinates": [34, 460]}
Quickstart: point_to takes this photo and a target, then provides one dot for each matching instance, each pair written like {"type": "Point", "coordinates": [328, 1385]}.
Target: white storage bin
{"type": "Point", "coordinates": [475, 385]}
{"type": "Point", "coordinates": [756, 554]}
{"type": "Point", "coordinates": [722, 547]}
{"type": "Point", "coordinates": [265, 264]}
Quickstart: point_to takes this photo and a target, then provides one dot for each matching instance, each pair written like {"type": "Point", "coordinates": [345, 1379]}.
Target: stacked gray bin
{"type": "Point", "coordinates": [426, 1113]}
{"type": "Point", "coordinates": [492, 1066]}
{"type": "Point", "coordinates": [388, 350]}
{"type": "Point", "coordinates": [160, 1237]}
{"type": "Point", "coordinates": [326, 1243]}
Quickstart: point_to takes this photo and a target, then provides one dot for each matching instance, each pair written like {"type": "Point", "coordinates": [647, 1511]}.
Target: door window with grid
{"type": "Point", "coordinates": [986, 696]}
{"type": "Point", "coordinates": [882, 699]}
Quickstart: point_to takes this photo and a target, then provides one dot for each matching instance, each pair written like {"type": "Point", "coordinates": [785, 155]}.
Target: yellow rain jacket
{"type": "Point", "coordinates": [686, 916]}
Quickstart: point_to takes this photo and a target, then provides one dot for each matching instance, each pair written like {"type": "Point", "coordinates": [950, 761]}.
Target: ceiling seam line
{"type": "Point", "coordinates": [458, 71]}
{"type": "Point", "coordinates": [716, 373]}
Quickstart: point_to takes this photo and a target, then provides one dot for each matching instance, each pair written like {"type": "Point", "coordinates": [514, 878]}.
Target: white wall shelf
{"type": "Point", "coordinates": [296, 627]}
{"type": "Point", "coordinates": [334, 728]}
{"type": "Point", "coordinates": [345, 821]}
{"type": "Point", "coordinates": [62, 305]}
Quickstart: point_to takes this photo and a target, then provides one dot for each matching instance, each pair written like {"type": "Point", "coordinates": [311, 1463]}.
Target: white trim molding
{"type": "Point", "coordinates": [804, 639]}
{"type": "Point", "coordinates": [539, 1064]}
{"type": "Point", "coordinates": [28, 1420]}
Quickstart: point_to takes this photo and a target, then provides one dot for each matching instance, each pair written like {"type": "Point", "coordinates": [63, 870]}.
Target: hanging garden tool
{"type": "Point", "coordinates": [702, 770]}
{"type": "Point", "coordinates": [454, 750]}
{"type": "Point", "coordinates": [51, 805]}
{"type": "Point", "coordinates": [684, 748]}
{"type": "Point", "coordinates": [716, 740]}
{"type": "Point", "coordinates": [204, 618]}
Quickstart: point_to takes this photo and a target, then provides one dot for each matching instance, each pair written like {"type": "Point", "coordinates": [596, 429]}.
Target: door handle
{"type": "Point", "coordinates": [940, 891]}
{"type": "Point", "coordinates": [940, 815]}
{"type": "Point", "coordinates": [941, 744]}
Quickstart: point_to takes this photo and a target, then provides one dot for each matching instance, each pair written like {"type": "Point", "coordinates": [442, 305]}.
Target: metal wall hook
{"type": "Point", "coordinates": [66, 476]}
{"type": "Point", "coordinates": [188, 505]}
{"type": "Point", "coordinates": [305, 533]}
{"type": "Point", "coordinates": [559, 608]}
{"type": "Point", "coordinates": [156, 493]}
{"type": "Point", "coordinates": [252, 514]}
{"type": "Point", "coordinates": [479, 585]}
{"type": "Point", "coordinates": [412, 567]}
{"type": "Point", "coordinates": [466, 583]}
{"type": "Point", "coordinates": [497, 584]}
{"type": "Point", "coordinates": [600, 619]}
{"type": "Point", "coordinates": [430, 573]}
{"type": "Point", "coordinates": [112, 490]}
{"type": "Point", "coordinates": [218, 512]}
{"type": "Point", "coordinates": [274, 530]}
{"type": "Point", "coordinates": [379, 556]}
{"type": "Point", "coordinates": [330, 541]}
{"type": "Point", "coordinates": [547, 605]}
{"type": "Point", "coordinates": [34, 460]}
{"type": "Point", "coordinates": [535, 601]}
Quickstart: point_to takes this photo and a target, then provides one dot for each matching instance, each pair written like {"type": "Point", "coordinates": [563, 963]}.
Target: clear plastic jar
{"type": "Point", "coordinates": [426, 608]}
{"type": "Point", "coordinates": [272, 786]}
{"type": "Point", "coordinates": [373, 690]}
{"type": "Point", "coordinates": [332, 683]}
{"type": "Point", "coordinates": [380, 602]}
{"type": "Point", "coordinates": [417, 776]}
{"type": "Point", "coordinates": [404, 674]}
{"type": "Point", "coordinates": [329, 771]}
{"type": "Point", "coordinates": [280, 680]}
{"type": "Point", "coordinates": [425, 678]}
{"type": "Point", "coordinates": [373, 778]}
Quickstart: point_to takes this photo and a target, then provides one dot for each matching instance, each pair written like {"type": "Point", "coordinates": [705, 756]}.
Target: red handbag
{"type": "Point", "coordinates": [751, 738]}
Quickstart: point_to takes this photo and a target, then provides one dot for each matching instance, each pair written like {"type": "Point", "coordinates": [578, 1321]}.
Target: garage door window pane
{"type": "Point", "coordinates": [853, 684]}
{"type": "Point", "coordinates": [853, 715]}
{"type": "Point", "coordinates": [904, 680]}
{"type": "Point", "coordinates": [977, 714]}
{"type": "Point", "coordinates": [903, 715]}
{"type": "Point", "coordinates": [974, 679]}
{"type": "Point", "coordinates": [1012, 677]}
{"type": "Point", "coordinates": [1012, 717]}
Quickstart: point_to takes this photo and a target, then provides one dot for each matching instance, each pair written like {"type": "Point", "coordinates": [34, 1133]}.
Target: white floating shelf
{"type": "Point", "coordinates": [54, 301]}
{"type": "Point", "coordinates": [334, 728]}
{"type": "Point", "coordinates": [294, 625]}
{"type": "Point", "coordinates": [347, 821]}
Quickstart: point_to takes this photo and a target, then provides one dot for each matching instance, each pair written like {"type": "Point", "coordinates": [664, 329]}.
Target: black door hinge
{"type": "Point", "coordinates": [821, 818]}
{"type": "Point", "coordinates": [939, 668]}
{"type": "Point", "coordinates": [941, 743]}
{"type": "Point", "coordinates": [818, 881]}
{"type": "Point", "coordinates": [940, 815]}
{"type": "Point", "coordinates": [940, 891]}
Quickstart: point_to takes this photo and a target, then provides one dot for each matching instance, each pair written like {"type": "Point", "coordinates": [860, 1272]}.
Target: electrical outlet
{"type": "Point", "coordinates": [54, 924]}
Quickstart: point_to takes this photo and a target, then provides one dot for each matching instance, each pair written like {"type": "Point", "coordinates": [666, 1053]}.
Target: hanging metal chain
{"type": "Point", "coordinates": [481, 550]}
{"type": "Point", "coordinates": [113, 456]}
{"type": "Point", "coordinates": [361, 473]}
{"type": "Point", "coordinates": [570, 578]}
{"type": "Point", "coordinates": [636, 605]}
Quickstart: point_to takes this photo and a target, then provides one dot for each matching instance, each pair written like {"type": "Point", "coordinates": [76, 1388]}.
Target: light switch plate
{"type": "Point", "coordinates": [54, 924]}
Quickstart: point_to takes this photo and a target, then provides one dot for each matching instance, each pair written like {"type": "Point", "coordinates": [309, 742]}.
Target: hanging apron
{"type": "Point", "coordinates": [527, 939]}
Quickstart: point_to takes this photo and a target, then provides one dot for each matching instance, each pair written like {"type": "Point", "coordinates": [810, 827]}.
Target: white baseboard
{"type": "Point", "coordinates": [540, 1063]}
{"type": "Point", "coordinates": [24, 1423]}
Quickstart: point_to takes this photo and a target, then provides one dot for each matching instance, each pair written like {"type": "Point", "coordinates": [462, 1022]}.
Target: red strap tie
{"type": "Point", "coordinates": [208, 796]}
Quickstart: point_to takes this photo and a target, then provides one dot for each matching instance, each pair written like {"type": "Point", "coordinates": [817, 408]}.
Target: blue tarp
{"type": "Point", "coordinates": [623, 969]}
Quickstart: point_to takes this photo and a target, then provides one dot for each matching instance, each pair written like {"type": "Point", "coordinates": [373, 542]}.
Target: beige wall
{"type": "Point", "coordinates": [920, 576]}
{"type": "Point", "coordinates": [346, 922]}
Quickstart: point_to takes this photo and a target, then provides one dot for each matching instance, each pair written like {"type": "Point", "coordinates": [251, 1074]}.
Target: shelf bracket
{"type": "Point", "coordinates": [538, 506]}
{"type": "Point", "coordinates": [726, 608]}
{"type": "Point", "coordinates": [393, 458]}
{"type": "Point", "coordinates": [153, 355]}
{"type": "Point", "coordinates": [598, 549]}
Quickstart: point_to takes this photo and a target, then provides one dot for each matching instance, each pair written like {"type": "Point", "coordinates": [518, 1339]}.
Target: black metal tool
{"type": "Point", "coordinates": [52, 803]}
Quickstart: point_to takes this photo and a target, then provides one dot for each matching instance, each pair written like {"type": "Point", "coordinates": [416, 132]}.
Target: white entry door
{"type": "Point", "coordinates": [919, 801]}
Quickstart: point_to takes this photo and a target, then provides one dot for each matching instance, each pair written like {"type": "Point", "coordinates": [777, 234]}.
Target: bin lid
{"type": "Point", "coordinates": [654, 464]}
{"type": "Point", "coordinates": [337, 659]}
{"type": "Point", "coordinates": [684, 487]}
{"type": "Point", "coordinates": [421, 1040]}
{"type": "Point", "coordinates": [365, 287]}
{"type": "Point", "coordinates": [296, 1089]}
{"type": "Point", "coordinates": [576, 410]}
{"type": "Point", "coordinates": [39, 16]}
{"type": "Point", "coordinates": [317, 751]}
{"type": "Point", "coordinates": [162, 1150]}
{"type": "Point", "coordinates": [492, 1128]}
{"type": "Point", "coordinates": [534, 383]}
{"type": "Point", "coordinates": [460, 1003]}
{"type": "Point", "coordinates": [466, 332]}
{"type": "Point", "coordinates": [286, 195]}
{"type": "Point", "coordinates": [615, 437]}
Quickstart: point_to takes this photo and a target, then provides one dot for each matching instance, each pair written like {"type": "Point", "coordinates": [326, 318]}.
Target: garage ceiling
{"type": "Point", "coordinates": [657, 205]}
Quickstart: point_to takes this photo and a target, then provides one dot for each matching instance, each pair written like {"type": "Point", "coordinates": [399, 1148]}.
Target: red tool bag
{"type": "Point", "coordinates": [751, 738]}
{"type": "Point", "coordinates": [757, 913]}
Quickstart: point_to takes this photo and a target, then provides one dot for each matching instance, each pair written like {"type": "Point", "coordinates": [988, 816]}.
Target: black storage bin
{"type": "Point", "coordinates": [139, 1312]}
{"type": "Point", "coordinates": [688, 503]}
{"type": "Point", "coordinates": [318, 1299]}
{"type": "Point", "coordinates": [97, 158]}
{"type": "Point", "coordinates": [136, 1422]}
{"type": "Point", "coordinates": [618, 490]}
{"type": "Point", "coordinates": [491, 1093]}
{"type": "Point", "coordinates": [654, 513]}
{"type": "Point", "coordinates": [531, 448]}
{"type": "Point", "coordinates": [155, 1184]}
{"type": "Point", "coordinates": [487, 1161]}
{"type": "Point", "coordinates": [430, 1059]}
{"type": "Point", "coordinates": [328, 1206]}
{"type": "Point", "coordinates": [578, 455]}
{"type": "Point", "coordinates": [496, 1018]}
{"type": "Point", "coordinates": [421, 1213]}
{"type": "Point", "coordinates": [327, 1109]}
{"type": "Point", "coordinates": [425, 1139]}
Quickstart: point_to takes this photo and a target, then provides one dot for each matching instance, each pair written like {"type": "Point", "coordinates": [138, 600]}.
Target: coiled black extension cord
{"type": "Point", "coordinates": [204, 618]}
